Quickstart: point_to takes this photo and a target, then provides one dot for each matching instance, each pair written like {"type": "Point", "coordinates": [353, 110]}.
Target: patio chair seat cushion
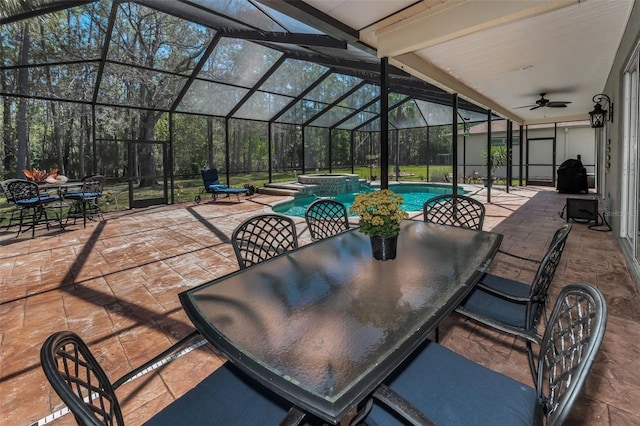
{"type": "Point", "coordinates": [218, 187]}
{"type": "Point", "coordinates": [29, 202]}
{"type": "Point", "coordinates": [506, 285]}
{"type": "Point", "coordinates": [496, 307]}
{"type": "Point", "coordinates": [225, 189]}
{"type": "Point", "coordinates": [226, 397]}
{"type": "Point", "coordinates": [453, 390]}
{"type": "Point", "coordinates": [81, 195]}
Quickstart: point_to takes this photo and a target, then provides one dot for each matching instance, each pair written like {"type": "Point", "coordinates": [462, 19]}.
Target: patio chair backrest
{"type": "Point", "coordinates": [569, 346]}
{"type": "Point", "coordinates": [538, 293]}
{"type": "Point", "coordinates": [210, 177]}
{"type": "Point", "coordinates": [5, 189]}
{"type": "Point", "coordinates": [262, 237]}
{"type": "Point", "coordinates": [93, 185]}
{"type": "Point", "coordinates": [455, 210]}
{"type": "Point", "coordinates": [79, 380]}
{"type": "Point", "coordinates": [326, 217]}
{"type": "Point", "coordinates": [23, 190]}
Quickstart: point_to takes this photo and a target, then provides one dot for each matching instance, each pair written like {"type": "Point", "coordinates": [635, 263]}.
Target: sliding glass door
{"type": "Point", "coordinates": [630, 174]}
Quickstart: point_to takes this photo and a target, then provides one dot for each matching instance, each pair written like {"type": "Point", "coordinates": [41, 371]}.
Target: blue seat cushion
{"type": "Point", "coordinates": [30, 202]}
{"type": "Point", "coordinates": [27, 202]}
{"type": "Point", "coordinates": [499, 308]}
{"type": "Point", "coordinates": [506, 285]}
{"type": "Point", "coordinates": [226, 397]}
{"type": "Point", "coordinates": [82, 195]}
{"type": "Point", "coordinates": [218, 187]}
{"type": "Point", "coordinates": [452, 390]}
{"type": "Point", "coordinates": [224, 189]}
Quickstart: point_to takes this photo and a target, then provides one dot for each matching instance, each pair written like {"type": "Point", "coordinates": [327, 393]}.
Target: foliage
{"type": "Point", "coordinates": [498, 157]}
{"type": "Point", "coordinates": [380, 212]}
{"type": "Point", "coordinates": [149, 58]}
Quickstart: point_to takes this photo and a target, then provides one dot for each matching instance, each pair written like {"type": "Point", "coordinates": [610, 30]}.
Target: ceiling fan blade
{"type": "Point", "coordinates": [535, 107]}
{"type": "Point", "coordinates": [557, 104]}
{"type": "Point", "coordinates": [525, 106]}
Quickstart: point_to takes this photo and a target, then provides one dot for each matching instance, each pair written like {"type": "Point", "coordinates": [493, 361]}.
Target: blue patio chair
{"type": "Point", "coordinates": [33, 205]}
{"type": "Point", "coordinates": [212, 186]}
{"type": "Point", "coordinates": [85, 202]}
{"type": "Point", "coordinates": [226, 397]}
{"type": "Point", "coordinates": [438, 386]}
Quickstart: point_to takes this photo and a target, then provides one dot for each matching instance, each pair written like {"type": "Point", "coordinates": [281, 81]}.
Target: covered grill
{"type": "Point", "coordinates": [572, 177]}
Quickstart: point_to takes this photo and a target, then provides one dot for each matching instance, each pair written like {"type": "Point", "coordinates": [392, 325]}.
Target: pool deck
{"type": "Point", "coordinates": [116, 283]}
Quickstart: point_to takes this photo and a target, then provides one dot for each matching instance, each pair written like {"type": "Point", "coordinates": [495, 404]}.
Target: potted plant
{"type": "Point", "coordinates": [380, 216]}
{"type": "Point", "coordinates": [498, 161]}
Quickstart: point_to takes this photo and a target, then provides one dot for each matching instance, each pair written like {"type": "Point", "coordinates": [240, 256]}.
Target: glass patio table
{"type": "Point", "coordinates": [325, 324]}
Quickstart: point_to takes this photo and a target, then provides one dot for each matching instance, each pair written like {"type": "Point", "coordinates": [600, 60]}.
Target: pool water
{"type": "Point", "coordinates": [414, 197]}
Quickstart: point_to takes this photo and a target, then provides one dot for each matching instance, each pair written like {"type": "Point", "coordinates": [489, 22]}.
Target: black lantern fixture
{"type": "Point", "coordinates": [602, 111]}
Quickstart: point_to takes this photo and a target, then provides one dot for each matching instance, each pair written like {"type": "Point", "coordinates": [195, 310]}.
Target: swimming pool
{"type": "Point", "coordinates": [414, 197]}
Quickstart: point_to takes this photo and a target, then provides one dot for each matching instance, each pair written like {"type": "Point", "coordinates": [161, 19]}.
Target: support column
{"type": "Point", "coordinates": [384, 123]}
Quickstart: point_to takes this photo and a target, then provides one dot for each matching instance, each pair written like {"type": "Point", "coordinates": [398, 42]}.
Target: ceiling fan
{"type": "Point", "coordinates": [544, 102]}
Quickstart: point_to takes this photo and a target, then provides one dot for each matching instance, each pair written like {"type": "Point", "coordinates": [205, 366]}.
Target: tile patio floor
{"type": "Point", "coordinates": [116, 283]}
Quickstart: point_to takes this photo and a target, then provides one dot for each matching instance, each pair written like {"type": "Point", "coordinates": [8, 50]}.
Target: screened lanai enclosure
{"type": "Point", "coordinates": [149, 92]}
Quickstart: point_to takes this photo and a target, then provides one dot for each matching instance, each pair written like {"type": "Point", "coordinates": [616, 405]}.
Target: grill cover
{"type": "Point", "coordinates": [572, 177]}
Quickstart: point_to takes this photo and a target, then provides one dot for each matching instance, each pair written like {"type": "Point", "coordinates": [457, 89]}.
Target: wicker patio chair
{"type": "Point", "coordinates": [514, 307]}
{"type": "Point", "coordinates": [32, 204]}
{"type": "Point", "coordinates": [226, 397]}
{"type": "Point", "coordinates": [85, 204]}
{"type": "Point", "coordinates": [326, 217]}
{"type": "Point", "coordinates": [438, 386]}
{"type": "Point", "coordinates": [454, 210]}
{"type": "Point", "coordinates": [262, 237]}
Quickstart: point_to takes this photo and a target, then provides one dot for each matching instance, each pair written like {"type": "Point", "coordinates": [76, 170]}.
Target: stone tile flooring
{"type": "Point", "coordinates": [116, 283]}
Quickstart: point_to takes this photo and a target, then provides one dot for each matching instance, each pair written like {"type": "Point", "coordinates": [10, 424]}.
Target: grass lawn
{"type": "Point", "coordinates": [116, 195]}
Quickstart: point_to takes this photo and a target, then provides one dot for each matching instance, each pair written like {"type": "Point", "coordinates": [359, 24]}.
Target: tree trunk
{"type": "Point", "coordinates": [84, 140]}
{"type": "Point", "coordinates": [210, 160]}
{"type": "Point", "coordinates": [55, 116]}
{"type": "Point", "coordinates": [21, 115]}
{"type": "Point", "coordinates": [146, 160]}
{"type": "Point", "coordinates": [8, 147]}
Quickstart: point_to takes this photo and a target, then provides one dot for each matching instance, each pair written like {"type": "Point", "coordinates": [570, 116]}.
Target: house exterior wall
{"type": "Point", "coordinates": [612, 192]}
{"type": "Point", "coordinates": [571, 140]}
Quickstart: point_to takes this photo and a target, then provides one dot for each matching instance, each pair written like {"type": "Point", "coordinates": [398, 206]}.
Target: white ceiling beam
{"type": "Point", "coordinates": [452, 19]}
{"type": "Point", "coordinates": [566, 118]}
{"type": "Point", "coordinates": [430, 73]}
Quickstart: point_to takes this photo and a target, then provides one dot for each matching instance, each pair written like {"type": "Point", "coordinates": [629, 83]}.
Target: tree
{"type": "Point", "coordinates": [21, 114]}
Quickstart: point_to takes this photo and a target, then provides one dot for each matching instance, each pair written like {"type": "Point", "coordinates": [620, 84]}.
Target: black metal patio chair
{"type": "Point", "coordinates": [85, 202]}
{"type": "Point", "coordinates": [226, 397]}
{"type": "Point", "coordinates": [454, 210]}
{"type": "Point", "coordinates": [262, 237]}
{"type": "Point", "coordinates": [438, 386]}
{"type": "Point", "coordinates": [514, 307]}
{"type": "Point", "coordinates": [32, 203]}
{"type": "Point", "coordinates": [326, 217]}
{"type": "Point", "coordinates": [13, 215]}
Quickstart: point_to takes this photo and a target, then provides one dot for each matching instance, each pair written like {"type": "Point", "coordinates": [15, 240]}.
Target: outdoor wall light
{"type": "Point", "coordinates": [602, 111]}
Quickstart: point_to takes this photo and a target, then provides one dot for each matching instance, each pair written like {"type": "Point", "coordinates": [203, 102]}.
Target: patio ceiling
{"type": "Point", "coordinates": [498, 54]}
